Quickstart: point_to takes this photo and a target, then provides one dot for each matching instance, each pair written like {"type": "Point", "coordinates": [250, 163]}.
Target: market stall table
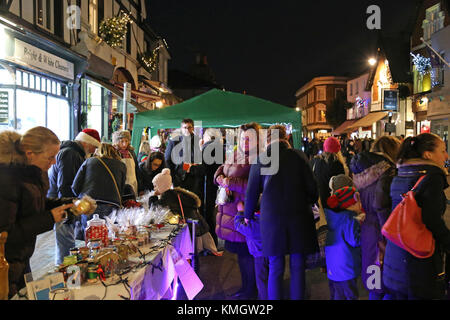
{"type": "Point", "coordinates": [154, 275]}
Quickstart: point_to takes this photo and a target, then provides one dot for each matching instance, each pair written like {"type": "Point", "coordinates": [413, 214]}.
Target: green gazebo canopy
{"type": "Point", "coordinates": [218, 109]}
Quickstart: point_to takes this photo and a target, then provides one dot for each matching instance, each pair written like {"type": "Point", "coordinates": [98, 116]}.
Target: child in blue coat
{"type": "Point", "coordinates": [342, 249]}
{"type": "Point", "coordinates": [252, 234]}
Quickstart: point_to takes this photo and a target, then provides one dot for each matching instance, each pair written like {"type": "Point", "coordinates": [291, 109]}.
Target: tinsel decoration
{"type": "Point", "coordinates": [114, 30]}
{"type": "Point", "coordinates": [150, 60]}
{"type": "Point", "coordinates": [422, 64]}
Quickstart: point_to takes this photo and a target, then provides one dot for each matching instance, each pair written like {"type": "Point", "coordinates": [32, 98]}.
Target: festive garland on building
{"type": "Point", "coordinates": [150, 60]}
{"type": "Point", "coordinates": [114, 30]}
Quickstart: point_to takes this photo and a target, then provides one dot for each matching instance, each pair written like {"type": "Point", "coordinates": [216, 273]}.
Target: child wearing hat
{"type": "Point", "coordinates": [342, 249]}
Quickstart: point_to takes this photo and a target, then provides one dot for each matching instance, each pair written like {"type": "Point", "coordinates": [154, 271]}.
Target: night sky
{"type": "Point", "coordinates": [271, 49]}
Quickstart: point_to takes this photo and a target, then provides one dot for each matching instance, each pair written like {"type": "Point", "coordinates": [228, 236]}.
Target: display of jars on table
{"type": "Point", "coordinates": [97, 229]}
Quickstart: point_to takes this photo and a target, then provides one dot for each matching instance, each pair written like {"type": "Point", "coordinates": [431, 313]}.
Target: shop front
{"type": "Point", "coordinates": [439, 115]}
{"type": "Point", "coordinates": [36, 83]}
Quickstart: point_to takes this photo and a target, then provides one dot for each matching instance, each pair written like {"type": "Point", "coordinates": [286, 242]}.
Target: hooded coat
{"type": "Point", "coordinates": [25, 210]}
{"type": "Point", "coordinates": [402, 271]}
{"type": "Point", "coordinates": [190, 202]}
{"type": "Point", "coordinates": [372, 176]}
{"type": "Point", "coordinates": [61, 175]}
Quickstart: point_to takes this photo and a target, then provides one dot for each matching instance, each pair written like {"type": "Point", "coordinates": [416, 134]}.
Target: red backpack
{"type": "Point", "coordinates": [406, 229]}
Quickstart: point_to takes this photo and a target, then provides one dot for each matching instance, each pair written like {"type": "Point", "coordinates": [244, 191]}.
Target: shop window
{"type": "Point", "coordinates": [58, 117]}
{"type": "Point", "coordinates": [58, 89]}
{"type": "Point", "coordinates": [30, 110]}
{"type": "Point", "coordinates": [49, 86]}
{"type": "Point", "coordinates": [32, 81]}
{"type": "Point", "coordinates": [5, 77]}
{"type": "Point", "coordinates": [54, 87]}
{"type": "Point", "coordinates": [18, 78]}
{"type": "Point", "coordinates": [25, 79]}
{"type": "Point", "coordinates": [38, 83]}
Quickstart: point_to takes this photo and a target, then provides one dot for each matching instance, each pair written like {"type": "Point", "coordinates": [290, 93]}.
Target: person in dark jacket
{"type": "Point", "coordinates": [372, 175]}
{"type": "Point", "coordinates": [326, 165]}
{"type": "Point", "coordinates": [152, 166]}
{"type": "Point", "coordinates": [188, 208]}
{"type": "Point", "coordinates": [121, 140]}
{"type": "Point", "coordinates": [342, 249]}
{"type": "Point", "coordinates": [26, 211]}
{"type": "Point", "coordinates": [185, 170]}
{"type": "Point", "coordinates": [405, 276]}
{"type": "Point", "coordinates": [252, 232]}
{"type": "Point", "coordinates": [287, 221]}
{"type": "Point", "coordinates": [212, 141]}
{"type": "Point", "coordinates": [101, 177]}
{"type": "Point", "coordinates": [61, 175]}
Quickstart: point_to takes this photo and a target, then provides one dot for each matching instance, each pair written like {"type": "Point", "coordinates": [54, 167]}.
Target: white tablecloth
{"type": "Point", "coordinates": [156, 280]}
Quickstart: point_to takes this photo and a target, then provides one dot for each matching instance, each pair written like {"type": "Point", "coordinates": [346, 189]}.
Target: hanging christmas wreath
{"type": "Point", "coordinates": [113, 30]}
{"type": "Point", "coordinates": [150, 60]}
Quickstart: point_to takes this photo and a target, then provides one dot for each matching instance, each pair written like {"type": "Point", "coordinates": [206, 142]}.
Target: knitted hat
{"type": "Point", "coordinates": [331, 145]}
{"type": "Point", "coordinates": [90, 136]}
{"type": "Point", "coordinates": [162, 181]}
{"type": "Point", "coordinates": [340, 181]}
{"type": "Point", "coordinates": [342, 198]}
{"type": "Point", "coordinates": [155, 142]}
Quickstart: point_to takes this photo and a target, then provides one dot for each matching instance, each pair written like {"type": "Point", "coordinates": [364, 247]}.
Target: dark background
{"type": "Point", "coordinates": [271, 49]}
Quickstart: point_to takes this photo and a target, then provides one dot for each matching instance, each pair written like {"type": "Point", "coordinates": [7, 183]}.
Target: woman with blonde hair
{"type": "Point", "coordinates": [372, 175]}
{"type": "Point", "coordinates": [26, 212]}
{"type": "Point", "coordinates": [101, 177]}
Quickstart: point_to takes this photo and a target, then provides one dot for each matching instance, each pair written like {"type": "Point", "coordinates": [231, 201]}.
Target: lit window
{"type": "Point", "coordinates": [49, 86]}
{"type": "Point", "coordinates": [25, 79]}
{"type": "Point", "coordinates": [18, 77]}
{"type": "Point", "coordinates": [32, 81]}
{"type": "Point", "coordinates": [38, 83]}
{"type": "Point", "coordinates": [58, 89]}
{"type": "Point", "coordinates": [54, 87]}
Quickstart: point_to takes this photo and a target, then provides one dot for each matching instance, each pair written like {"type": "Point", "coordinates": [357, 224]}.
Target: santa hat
{"type": "Point", "coordinates": [342, 198]}
{"type": "Point", "coordinates": [90, 136]}
{"type": "Point", "coordinates": [162, 181]}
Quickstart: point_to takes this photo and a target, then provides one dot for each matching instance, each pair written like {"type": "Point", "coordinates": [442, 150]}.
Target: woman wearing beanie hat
{"type": "Point", "coordinates": [326, 165]}
{"type": "Point", "coordinates": [167, 196]}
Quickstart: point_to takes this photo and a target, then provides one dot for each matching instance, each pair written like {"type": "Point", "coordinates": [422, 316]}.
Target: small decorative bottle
{"type": "Point", "coordinates": [4, 267]}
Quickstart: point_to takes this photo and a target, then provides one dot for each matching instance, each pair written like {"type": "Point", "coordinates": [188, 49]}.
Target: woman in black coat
{"type": "Point", "coordinates": [372, 175]}
{"type": "Point", "coordinates": [287, 221]}
{"type": "Point", "coordinates": [26, 212]}
{"type": "Point", "coordinates": [94, 179]}
{"type": "Point", "coordinates": [405, 276]}
{"type": "Point", "coordinates": [152, 166]}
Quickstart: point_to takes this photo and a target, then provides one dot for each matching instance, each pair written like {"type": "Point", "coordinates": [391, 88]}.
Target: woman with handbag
{"type": "Point", "coordinates": [405, 276]}
{"type": "Point", "coordinates": [234, 178]}
{"type": "Point", "coordinates": [372, 175]}
{"type": "Point", "coordinates": [101, 177]}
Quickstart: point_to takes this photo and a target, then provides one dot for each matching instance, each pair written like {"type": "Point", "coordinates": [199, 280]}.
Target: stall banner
{"type": "Point", "coordinates": [30, 55]}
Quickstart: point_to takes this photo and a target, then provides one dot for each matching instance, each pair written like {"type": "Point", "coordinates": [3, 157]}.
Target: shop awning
{"type": "Point", "coordinates": [341, 129]}
{"type": "Point", "coordinates": [141, 94]}
{"type": "Point", "coordinates": [367, 120]}
{"type": "Point", "coordinates": [116, 91]}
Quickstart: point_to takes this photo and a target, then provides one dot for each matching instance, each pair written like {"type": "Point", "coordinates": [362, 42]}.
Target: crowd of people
{"type": "Point", "coordinates": [260, 217]}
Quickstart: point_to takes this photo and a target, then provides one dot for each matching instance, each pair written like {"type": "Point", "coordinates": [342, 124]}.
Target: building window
{"type": "Point", "coordinates": [434, 21]}
{"type": "Point", "coordinates": [310, 96]}
{"type": "Point", "coordinates": [44, 10]}
{"type": "Point", "coordinates": [129, 38]}
{"type": "Point", "coordinates": [93, 16]}
{"type": "Point", "coordinates": [321, 112]}
{"type": "Point", "coordinates": [351, 89]}
{"type": "Point", "coordinates": [321, 93]}
{"type": "Point", "coordinates": [357, 87]}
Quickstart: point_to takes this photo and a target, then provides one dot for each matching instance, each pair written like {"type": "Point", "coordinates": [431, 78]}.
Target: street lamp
{"type": "Point", "coordinates": [159, 104]}
{"type": "Point", "coordinates": [372, 61]}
